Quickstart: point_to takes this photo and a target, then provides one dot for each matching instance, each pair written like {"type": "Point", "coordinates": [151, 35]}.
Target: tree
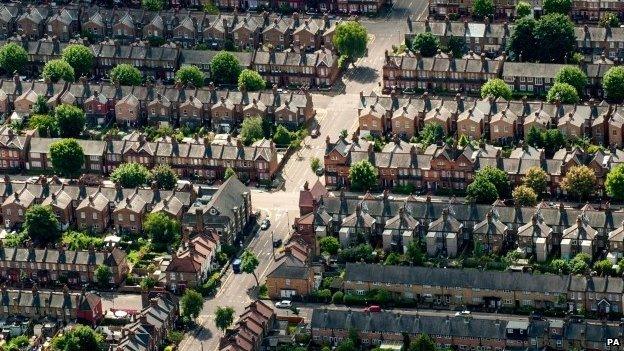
{"type": "Point", "coordinates": [363, 175]}
{"type": "Point", "coordinates": [80, 57]}
{"type": "Point", "coordinates": [251, 130]}
{"type": "Point", "coordinates": [163, 230]}
{"type": "Point", "coordinates": [554, 34]}
{"type": "Point", "coordinates": [431, 133]}
{"type": "Point", "coordinates": [524, 196]}
{"type": "Point", "coordinates": [190, 74]}
{"type": "Point", "coordinates": [16, 343]}
{"type": "Point", "coordinates": [427, 43]}
{"type": "Point", "coordinates": [497, 88]}
{"type": "Point", "coordinates": [70, 119]}
{"type": "Point", "coordinates": [574, 76]}
{"type": "Point", "coordinates": [55, 70]}
{"type": "Point", "coordinates": [614, 184]}
{"type": "Point", "coordinates": [40, 106]}
{"type": "Point", "coordinates": [560, 266]}
{"type": "Point", "coordinates": [81, 241]}
{"type": "Point", "coordinates": [536, 179]}
{"type": "Point", "coordinates": [315, 164]}
{"type": "Point", "coordinates": [165, 177]}
{"type": "Point", "coordinates": [13, 58]}
{"type": "Point", "coordinates": [557, 6]}
{"type": "Point", "coordinates": [282, 136]}
{"type": "Point", "coordinates": [552, 140]}
{"type": "Point", "coordinates": [125, 74]}
{"type": "Point", "coordinates": [191, 304]}
{"type": "Point", "coordinates": [522, 41]}
{"type": "Point", "coordinates": [67, 157]}
{"type": "Point", "coordinates": [225, 68]}
{"type": "Point", "coordinates": [580, 263]}
{"type": "Point", "coordinates": [603, 267]}
{"type": "Point", "coordinates": [534, 137]}
{"type": "Point", "coordinates": [329, 244]}
{"type": "Point", "coordinates": [79, 338]}
{"type": "Point", "coordinates": [249, 263]}
{"type": "Point", "coordinates": [153, 5]}
{"type": "Point", "coordinates": [131, 175]}
{"type": "Point", "coordinates": [250, 80]}
{"type": "Point", "coordinates": [482, 191]}
{"type": "Point", "coordinates": [580, 182]}
{"type": "Point", "coordinates": [613, 83]}
{"type": "Point", "coordinates": [423, 343]}
{"type": "Point", "coordinates": [393, 259]}
{"type": "Point", "coordinates": [346, 345]}
{"type": "Point", "coordinates": [609, 20]}
{"type": "Point", "coordinates": [563, 92]}
{"type": "Point", "coordinates": [224, 317]}
{"type": "Point", "coordinates": [41, 225]}
{"type": "Point", "coordinates": [103, 274]}
{"type": "Point", "coordinates": [229, 172]}
{"type": "Point", "coordinates": [523, 9]}
{"type": "Point", "coordinates": [350, 39]}
{"type": "Point", "coordinates": [414, 254]}
{"type": "Point", "coordinates": [483, 8]}
{"type": "Point", "coordinates": [456, 46]}
{"type": "Point", "coordinates": [497, 177]}
{"type": "Point", "coordinates": [44, 124]}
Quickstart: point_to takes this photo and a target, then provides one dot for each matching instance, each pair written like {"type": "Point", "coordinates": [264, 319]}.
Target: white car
{"type": "Point", "coordinates": [462, 313]}
{"type": "Point", "coordinates": [283, 304]}
{"type": "Point", "coordinates": [265, 224]}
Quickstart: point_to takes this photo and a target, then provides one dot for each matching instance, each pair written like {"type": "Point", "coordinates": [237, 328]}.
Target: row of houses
{"type": "Point", "coordinates": [497, 120]}
{"type": "Point", "coordinates": [249, 331]}
{"type": "Point", "coordinates": [336, 6]}
{"type": "Point", "coordinates": [388, 329]}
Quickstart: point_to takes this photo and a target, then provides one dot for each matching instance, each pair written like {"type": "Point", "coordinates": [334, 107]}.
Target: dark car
{"type": "Point", "coordinates": [277, 243]}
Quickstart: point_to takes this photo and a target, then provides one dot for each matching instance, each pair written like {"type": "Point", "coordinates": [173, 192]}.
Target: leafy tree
{"type": "Point", "coordinates": [55, 70]}
{"type": "Point", "coordinates": [363, 175]}
{"type": "Point", "coordinates": [125, 74]}
{"type": "Point", "coordinates": [393, 259]}
{"type": "Point", "coordinates": [147, 283]}
{"type": "Point", "coordinates": [131, 175]}
{"type": "Point", "coordinates": [344, 133]}
{"type": "Point", "coordinates": [40, 106]}
{"type": "Point", "coordinates": [580, 182]}
{"type": "Point", "coordinates": [423, 343]}
{"type": "Point", "coordinates": [81, 241]}
{"type": "Point", "coordinates": [153, 5]}
{"type": "Point", "coordinates": [496, 87]}
{"type": "Point", "coordinates": [559, 266]}
{"type": "Point", "coordinates": [13, 58]}
{"type": "Point", "coordinates": [604, 267]}
{"type": "Point", "coordinates": [350, 39]}
{"type": "Point", "coordinates": [536, 179]}
{"type": "Point", "coordinates": [614, 184]}
{"type": "Point", "coordinates": [80, 57]}
{"type": "Point", "coordinates": [67, 157]}
{"type": "Point", "coordinates": [329, 244]}
{"type": "Point", "coordinates": [557, 6]}
{"type": "Point", "coordinates": [282, 136]}
{"type": "Point", "coordinates": [225, 68]}
{"type": "Point", "coordinates": [249, 263]}
{"type": "Point", "coordinates": [427, 43]}
{"type": "Point", "coordinates": [497, 177]}
{"type": "Point", "coordinates": [580, 263]}
{"type": "Point", "coordinates": [482, 191]}
{"type": "Point", "coordinates": [414, 254]}
{"type": "Point", "coordinates": [44, 124]}
{"type": "Point", "coordinates": [229, 172]}
{"type": "Point", "coordinates": [552, 139]}
{"type": "Point", "coordinates": [251, 130]}
{"type": "Point", "coordinates": [613, 83]}
{"type": "Point", "coordinates": [609, 20]}
{"type": "Point", "coordinates": [70, 119]}
{"type": "Point", "coordinates": [16, 343]}
{"type": "Point", "coordinates": [431, 133]}
{"type": "Point", "coordinates": [483, 8]}
{"type": "Point", "coordinates": [163, 230]}
{"type": "Point", "coordinates": [346, 345]}
{"type": "Point", "coordinates": [522, 42]}
{"type": "Point", "coordinates": [361, 252]}
{"type": "Point", "coordinates": [189, 74]}
{"type": "Point", "coordinates": [224, 317]}
{"type": "Point", "coordinates": [534, 137]}
{"type": "Point", "coordinates": [524, 196]}
{"type": "Point", "coordinates": [315, 164]}
{"type": "Point", "coordinates": [456, 46]}
{"type": "Point", "coordinates": [523, 9]}
{"type": "Point", "coordinates": [563, 92]}
{"type": "Point", "coordinates": [338, 297]}
{"type": "Point", "coordinates": [250, 80]}
{"type": "Point", "coordinates": [165, 177]}
{"type": "Point", "coordinates": [79, 338]}
{"type": "Point", "coordinates": [574, 76]}
{"type": "Point", "coordinates": [41, 225]}
{"type": "Point", "coordinates": [191, 304]}
{"type": "Point", "coordinates": [103, 274]}
{"type": "Point", "coordinates": [555, 37]}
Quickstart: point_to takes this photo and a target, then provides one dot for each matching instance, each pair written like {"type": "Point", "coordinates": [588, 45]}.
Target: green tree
{"type": "Point", "coordinates": [534, 137]}
{"type": "Point", "coordinates": [427, 43]}
{"type": "Point", "coordinates": [363, 175]}
{"type": "Point", "coordinates": [224, 317]}
{"type": "Point", "coordinates": [282, 136]}
{"type": "Point", "coordinates": [609, 20]}
{"type": "Point", "coordinates": [70, 119]}
{"type": "Point", "coordinates": [13, 58]}
{"type": "Point", "coordinates": [131, 175]}
{"type": "Point", "coordinates": [79, 338]}
{"type": "Point", "coordinates": [44, 124]}
{"type": "Point", "coordinates": [251, 130]}
{"type": "Point", "coordinates": [103, 274]}
{"type": "Point", "coordinates": [346, 345]}
{"type": "Point", "coordinates": [40, 106]}
{"type": "Point", "coordinates": [559, 266]}
{"type": "Point", "coordinates": [482, 191]}
{"type": "Point", "coordinates": [523, 9]}
{"type": "Point", "coordinates": [522, 42]}
{"type": "Point", "coordinates": [393, 259]}
{"type": "Point", "coordinates": [579, 182]}
{"type": "Point", "coordinates": [229, 172]}
{"type": "Point", "coordinates": [552, 140]}
{"type": "Point", "coordinates": [350, 39]}
{"type": "Point", "coordinates": [414, 254]}
{"type": "Point", "coordinates": [580, 263]}
{"type": "Point", "coordinates": [163, 230]}
{"type": "Point", "coordinates": [125, 74]}
{"type": "Point", "coordinates": [67, 157]}
{"type": "Point", "coordinates": [165, 177]}
{"type": "Point", "coordinates": [557, 6]}
{"type": "Point", "coordinates": [249, 263]}
{"type": "Point", "coordinates": [497, 88]}
{"type": "Point", "coordinates": [574, 76]}
{"type": "Point", "coordinates": [563, 92]}
{"type": "Point", "coordinates": [250, 80]}
{"type": "Point", "coordinates": [614, 184]}
{"type": "Point", "coordinates": [456, 46]}
{"type": "Point", "coordinates": [191, 304]}
{"type": "Point", "coordinates": [423, 343]}
{"type": "Point", "coordinates": [338, 297]}
{"type": "Point", "coordinates": [315, 164]}
{"type": "Point", "coordinates": [190, 74]}
{"type": "Point", "coordinates": [80, 57]}
{"type": "Point", "coordinates": [613, 83]}
{"type": "Point", "coordinates": [524, 196]}
{"type": "Point", "coordinates": [604, 267]}
{"type": "Point", "coordinates": [554, 34]}
{"type": "Point", "coordinates": [153, 5]}
{"type": "Point", "coordinates": [81, 241]}
{"type": "Point", "coordinates": [147, 283]}
{"type": "Point", "coordinates": [329, 244]}
{"type": "Point", "coordinates": [483, 8]}
{"type": "Point", "coordinates": [497, 177]}
{"type": "Point", "coordinates": [361, 252]}
{"type": "Point", "coordinates": [41, 225]}
{"type": "Point", "coordinates": [16, 343]}
{"type": "Point", "coordinates": [225, 68]}
{"type": "Point", "coordinates": [55, 70]}
{"type": "Point", "coordinates": [536, 179]}
{"type": "Point", "coordinates": [431, 133]}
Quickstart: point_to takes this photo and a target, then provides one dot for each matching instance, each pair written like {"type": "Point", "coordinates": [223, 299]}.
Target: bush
{"type": "Point", "coordinates": [338, 297]}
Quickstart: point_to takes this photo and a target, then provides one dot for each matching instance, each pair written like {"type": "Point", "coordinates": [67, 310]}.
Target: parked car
{"type": "Point", "coordinates": [373, 308]}
{"type": "Point", "coordinates": [315, 132]}
{"type": "Point", "coordinates": [236, 266]}
{"type": "Point", "coordinates": [284, 304]}
{"type": "Point", "coordinates": [462, 313]}
{"type": "Point", "coordinates": [265, 224]}
{"type": "Point", "coordinates": [277, 243]}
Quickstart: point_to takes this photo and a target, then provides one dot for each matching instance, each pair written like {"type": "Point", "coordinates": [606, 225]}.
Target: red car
{"type": "Point", "coordinates": [373, 308]}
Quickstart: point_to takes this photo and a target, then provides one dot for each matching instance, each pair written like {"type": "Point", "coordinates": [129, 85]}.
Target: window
{"type": "Point", "coordinates": [95, 216]}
